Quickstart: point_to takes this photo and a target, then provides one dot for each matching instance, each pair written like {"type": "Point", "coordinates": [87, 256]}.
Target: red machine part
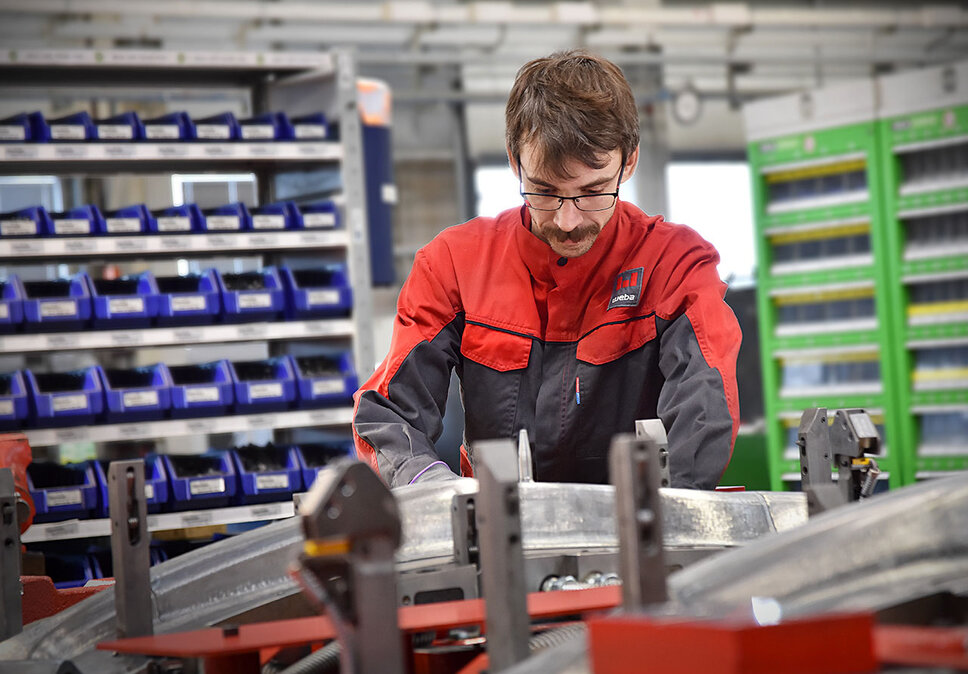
{"type": "Point", "coordinates": [41, 599]}
{"type": "Point", "coordinates": [15, 455]}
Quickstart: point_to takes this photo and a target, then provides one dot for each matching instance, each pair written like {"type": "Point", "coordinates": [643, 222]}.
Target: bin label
{"type": "Point", "coordinates": [18, 227]}
{"type": "Point", "coordinates": [63, 403]}
{"type": "Point", "coordinates": [162, 132]}
{"type": "Point", "coordinates": [126, 305]}
{"type": "Point", "coordinates": [318, 297]}
{"type": "Point", "coordinates": [115, 132]}
{"type": "Point", "coordinates": [212, 131]}
{"type": "Point", "coordinates": [272, 482]}
{"type": "Point", "coordinates": [188, 303]}
{"type": "Point", "coordinates": [263, 221]}
{"type": "Point", "coordinates": [306, 131]}
{"type": "Point", "coordinates": [64, 497]}
{"type": "Point", "coordinates": [67, 132]}
{"type": "Point", "coordinates": [4, 311]}
{"type": "Point", "coordinates": [319, 219]}
{"type": "Point", "coordinates": [223, 222]}
{"type": "Point", "coordinates": [201, 394]}
{"type": "Point", "coordinates": [139, 398]}
{"type": "Point", "coordinates": [258, 132]}
{"type": "Point", "coordinates": [13, 133]}
{"type": "Point", "coordinates": [6, 408]}
{"type": "Point", "coordinates": [116, 225]}
{"type": "Point", "coordinates": [328, 386]}
{"type": "Point", "coordinates": [271, 390]}
{"type": "Point", "coordinates": [174, 223]}
{"type": "Point", "coordinates": [149, 491]}
{"type": "Point", "coordinates": [58, 308]}
{"type": "Point", "coordinates": [72, 226]}
{"type": "Point", "coordinates": [212, 485]}
{"type": "Point", "coordinates": [255, 300]}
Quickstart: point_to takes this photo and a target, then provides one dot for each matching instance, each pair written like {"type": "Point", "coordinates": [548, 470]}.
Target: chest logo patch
{"type": "Point", "coordinates": [628, 288]}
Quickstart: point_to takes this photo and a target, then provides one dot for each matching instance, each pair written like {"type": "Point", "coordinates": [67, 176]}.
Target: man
{"type": "Point", "coordinates": [571, 316]}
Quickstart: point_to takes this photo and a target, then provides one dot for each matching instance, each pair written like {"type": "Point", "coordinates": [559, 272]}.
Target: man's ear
{"type": "Point", "coordinates": [630, 164]}
{"type": "Point", "coordinates": [515, 169]}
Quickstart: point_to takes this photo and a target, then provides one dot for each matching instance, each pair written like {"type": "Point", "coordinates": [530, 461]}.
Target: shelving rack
{"type": "Point", "coordinates": [824, 311]}
{"type": "Point", "coordinates": [296, 83]}
{"type": "Point", "coordinates": [924, 149]}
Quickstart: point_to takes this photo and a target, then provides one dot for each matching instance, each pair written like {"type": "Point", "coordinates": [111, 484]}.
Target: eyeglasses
{"type": "Point", "coordinates": [540, 201]}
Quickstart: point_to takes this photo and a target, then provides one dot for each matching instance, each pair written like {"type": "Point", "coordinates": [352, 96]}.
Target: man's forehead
{"type": "Point", "coordinates": [570, 171]}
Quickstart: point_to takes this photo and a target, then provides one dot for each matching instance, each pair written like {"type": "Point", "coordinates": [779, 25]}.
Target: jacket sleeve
{"type": "Point", "coordinates": [399, 410]}
{"type": "Point", "coordinates": [698, 403]}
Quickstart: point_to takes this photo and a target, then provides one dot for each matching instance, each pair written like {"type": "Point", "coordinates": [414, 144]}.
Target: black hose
{"type": "Point", "coordinates": [323, 661]}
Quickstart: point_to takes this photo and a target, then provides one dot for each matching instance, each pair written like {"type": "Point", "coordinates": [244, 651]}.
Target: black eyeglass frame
{"type": "Point", "coordinates": [561, 199]}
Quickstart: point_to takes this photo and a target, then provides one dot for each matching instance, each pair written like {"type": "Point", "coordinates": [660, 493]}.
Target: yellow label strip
{"type": "Point", "coordinates": [818, 234]}
{"type": "Point", "coordinates": [816, 171]}
{"type": "Point", "coordinates": [823, 296]}
{"type": "Point", "coordinates": [937, 308]}
{"type": "Point", "coordinates": [940, 375]}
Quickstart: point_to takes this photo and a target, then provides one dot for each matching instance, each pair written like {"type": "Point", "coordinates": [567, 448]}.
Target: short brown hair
{"type": "Point", "coordinates": [573, 105]}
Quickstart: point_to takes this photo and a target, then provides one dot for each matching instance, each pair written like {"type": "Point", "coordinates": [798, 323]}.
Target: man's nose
{"type": "Point", "coordinates": [568, 217]}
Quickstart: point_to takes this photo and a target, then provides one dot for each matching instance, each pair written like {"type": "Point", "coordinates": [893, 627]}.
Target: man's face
{"type": "Point", "coordinates": [569, 231]}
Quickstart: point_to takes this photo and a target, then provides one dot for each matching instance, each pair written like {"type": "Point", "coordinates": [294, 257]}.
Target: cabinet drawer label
{"type": "Point", "coordinates": [67, 132]}
{"type": "Point", "coordinates": [64, 403]}
{"type": "Point", "coordinates": [212, 131]}
{"type": "Point", "coordinates": [6, 408]}
{"type": "Point", "coordinates": [64, 497]}
{"type": "Point", "coordinates": [213, 485]}
{"type": "Point", "coordinates": [18, 227]}
{"type": "Point", "coordinates": [4, 311]}
{"type": "Point", "coordinates": [174, 223]}
{"type": "Point", "coordinates": [307, 131]}
{"type": "Point", "coordinates": [272, 481]}
{"type": "Point", "coordinates": [269, 221]}
{"type": "Point", "coordinates": [328, 386]}
{"type": "Point", "coordinates": [13, 133]}
{"type": "Point", "coordinates": [149, 491]}
{"type": "Point", "coordinates": [223, 221]}
{"type": "Point", "coordinates": [58, 308]}
{"type": "Point", "coordinates": [202, 394]}
{"type": "Point", "coordinates": [114, 132]}
{"type": "Point", "coordinates": [316, 298]}
{"type": "Point", "coordinates": [72, 226]}
{"type": "Point", "coordinates": [161, 132]}
{"type": "Point", "coordinates": [255, 300]}
{"type": "Point", "coordinates": [139, 398]}
{"type": "Point", "coordinates": [123, 225]}
{"type": "Point", "coordinates": [188, 303]}
{"type": "Point", "coordinates": [126, 305]}
{"type": "Point", "coordinates": [258, 132]}
{"type": "Point", "coordinates": [271, 390]}
{"type": "Point", "coordinates": [319, 220]}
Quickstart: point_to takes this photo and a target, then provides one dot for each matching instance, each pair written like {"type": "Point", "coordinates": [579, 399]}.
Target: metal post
{"type": "Point", "coordinates": [130, 551]}
{"type": "Point", "coordinates": [502, 554]}
{"type": "Point", "coordinates": [525, 465]}
{"type": "Point", "coordinates": [654, 429]}
{"type": "Point", "coordinates": [11, 610]}
{"type": "Point", "coordinates": [633, 465]}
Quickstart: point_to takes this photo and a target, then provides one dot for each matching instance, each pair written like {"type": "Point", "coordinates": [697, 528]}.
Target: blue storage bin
{"type": "Point", "coordinates": [185, 219]}
{"type": "Point", "coordinates": [11, 304]}
{"type": "Point", "coordinates": [24, 128]}
{"type": "Point", "coordinates": [278, 216]}
{"type": "Point", "coordinates": [310, 127]}
{"type": "Point", "coordinates": [269, 126]}
{"type": "Point", "coordinates": [136, 394]}
{"type": "Point", "coordinates": [252, 296]}
{"type": "Point", "coordinates": [156, 485]}
{"type": "Point", "coordinates": [72, 128]}
{"type": "Point", "coordinates": [64, 492]}
{"type": "Point", "coordinates": [33, 221]}
{"type": "Point", "coordinates": [314, 456]}
{"type": "Point", "coordinates": [320, 215]}
{"type": "Point", "coordinates": [126, 302]}
{"type": "Point", "coordinates": [317, 293]}
{"type": "Point", "coordinates": [128, 220]}
{"type": "Point", "coordinates": [64, 398]}
{"type": "Point", "coordinates": [123, 127]}
{"type": "Point", "coordinates": [217, 127]}
{"type": "Point", "coordinates": [14, 407]}
{"type": "Point", "coordinates": [60, 304]}
{"type": "Point", "coordinates": [324, 380]}
{"type": "Point", "coordinates": [263, 385]}
{"type": "Point", "coordinates": [192, 299]}
{"type": "Point", "coordinates": [67, 571]}
{"type": "Point", "coordinates": [267, 473]}
{"type": "Point", "coordinates": [173, 126]}
{"type": "Point", "coordinates": [200, 481]}
{"type": "Point", "coordinates": [228, 218]}
{"type": "Point", "coordinates": [201, 390]}
{"type": "Point", "coordinates": [80, 221]}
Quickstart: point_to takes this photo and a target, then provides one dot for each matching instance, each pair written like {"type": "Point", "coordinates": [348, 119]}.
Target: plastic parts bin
{"type": "Point", "coordinates": [324, 380]}
{"type": "Point", "coordinates": [314, 456]}
{"type": "Point", "coordinates": [60, 304]}
{"type": "Point", "coordinates": [267, 473]}
{"type": "Point", "coordinates": [173, 126]}
{"type": "Point", "coordinates": [317, 293]}
{"type": "Point", "coordinates": [11, 304]}
{"type": "Point", "coordinates": [252, 296]}
{"type": "Point", "coordinates": [134, 219]}
{"type": "Point", "coordinates": [126, 126]}
{"type": "Point", "coordinates": [136, 394]}
{"type": "Point", "coordinates": [228, 218]}
{"type": "Point", "coordinates": [278, 216]}
{"type": "Point", "coordinates": [223, 126]}
{"type": "Point", "coordinates": [14, 407]}
{"type": "Point", "coordinates": [67, 571]}
{"type": "Point", "coordinates": [263, 385]}
{"type": "Point", "coordinates": [64, 398]}
{"type": "Point", "coordinates": [27, 127]}
{"type": "Point", "coordinates": [201, 390]}
{"type": "Point", "coordinates": [126, 302]}
{"type": "Point", "coordinates": [200, 481]}
{"type": "Point", "coordinates": [320, 215]}
{"type": "Point", "coordinates": [32, 221]}
{"type": "Point", "coordinates": [192, 299]}
{"type": "Point", "coordinates": [184, 219]}
{"type": "Point", "coordinates": [76, 127]}
{"type": "Point", "coordinates": [269, 126]}
{"type": "Point", "coordinates": [310, 127]}
{"type": "Point", "coordinates": [81, 221]}
{"type": "Point", "coordinates": [63, 492]}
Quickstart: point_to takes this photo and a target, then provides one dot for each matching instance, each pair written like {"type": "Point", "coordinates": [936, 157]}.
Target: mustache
{"type": "Point", "coordinates": [577, 234]}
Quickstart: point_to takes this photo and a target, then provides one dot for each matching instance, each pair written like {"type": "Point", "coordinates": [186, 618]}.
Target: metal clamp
{"type": "Point", "coordinates": [130, 548]}
{"type": "Point", "coordinates": [655, 430]}
{"type": "Point", "coordinates": [11, 608]}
